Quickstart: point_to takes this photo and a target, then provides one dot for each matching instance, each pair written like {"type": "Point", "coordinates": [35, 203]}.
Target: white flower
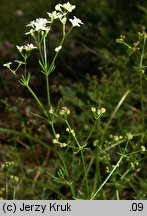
{"type": "Point", "coordinates": [103, 110]}
{"type": "Point", "coordinates": [72, 132]}
{"type": "Point", "coordinates": [14, 179]}
{"type": "Point", "coordinates": [69, 7]}
{"type": "Point", "coordinates": [39, 24]}
{"type": "Point", "coordinates": [55, 141]}
{"type": "Point", "coordinates": [30, 32]}
{"type": "Point", "coordinates": [38, 21]}
{"type": "Point", "coordinates": [76, 22]}
{"type": "Point", "coordinates": [20, 48]}
{"type": "Point", "coordinates": [63, 20]}
{"type": "Point", "coordinates": [98, 112]}
{"type": "Point", "coordinates": [19, 62]}
{"type": "Point", "coordinates": [143, 148]}
{"type": "Point", "coordinates": [57, 49]}
{"type": "Point", "coordinates": [129, 136]}
{"type": "Point", "coordinates": [57, 136]}
{"type": "Point", "coordinates": [64, 111]}
{"type": "Point", "coordinates": [55, 15]}
{"type": "Point", "coordinates": [27, 47]}
{"type": "Point", "coordinates": [93, 109]}
{"type": "Point", "coordinates": [63, 145]}
{"type": "Point", "coordinates": [58, 7]}
{"type": "Point", "coordinates": [7, 64]}
{"type": "Point", "coordinates": [51, 110]}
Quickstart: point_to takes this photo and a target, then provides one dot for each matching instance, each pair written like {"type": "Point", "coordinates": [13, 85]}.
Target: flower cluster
{"type": "Point", "coordinates": [14, 179]}
{"type": "Point", "coordinates": [76, 22]}
{"type": "Point", "coordinates": [56, 141]}
{"type": "Point", "coordinates": [71, 131]}
{"type": "Point", "coordinates": [97, 112]}
{"type": "Point", "coordinates": [95, 142]}
{"type": "Point", "coordinates": [7, 64]}
{"type": "Point", "coordinates": [52, 114]}
{"type": "Point", "coordinates": [64, 111]}
{"type": "Point", "coordinates": [40, 24]}
{"type": "Point", "coordinates": [121, 39]}
{"type": "Point", "coordinates": [7, 165]}
{"type": "Point", "coordinates": [142, 34]}
{"type": "Point", "coordinates": [116, 137]}
{"type": "Point", "coordinates": [143, 148]}
{"type": "Point", "coordinates": [57, 49]}
{"type": "Point", "coordinates": [129, 136]}
{"type": "Point", "coordinates": [27, 48]}
{"type": "Point", "coordinates": [133, 48]}
{"type": "Point", "coordinates": [66, 6]}
{"type": "Point", "coordinates": [134, 165]}
{"type": "Point", "coordinates": [60, 12]}
{"type": "Point", "coordinates": [25, 52]}
{"type": "Point", "coordinates": [51, 110]}
{"type": "Point", "coordinates": [39, 29]}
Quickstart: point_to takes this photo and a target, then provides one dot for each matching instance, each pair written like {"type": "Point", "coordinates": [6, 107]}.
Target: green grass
{"type": "Point", "coordinates": [38, 160]}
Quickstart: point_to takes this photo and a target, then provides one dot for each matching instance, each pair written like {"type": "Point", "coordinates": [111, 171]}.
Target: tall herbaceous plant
{"type": "Point", "coordinates": [39, 29]}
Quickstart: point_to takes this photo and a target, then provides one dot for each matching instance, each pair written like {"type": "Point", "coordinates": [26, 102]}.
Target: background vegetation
{"type": "Point", "coordinates": [92, 70]}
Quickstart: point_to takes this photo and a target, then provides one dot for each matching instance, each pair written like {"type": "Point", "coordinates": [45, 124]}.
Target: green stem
{"type": "Point", "coordinates": [48, 91]}
{"type": "Point", "coordinates": [64, 36]}
{"type": "Point", "coordinates": [98, 175]}
{"type": "Point", "coordinates": [142, 104]}
{"type": "Point", "coordinates": [141, 83]}
{"type": "Point", "coordinates": [113, 114]}
{"type": "Point", "coordinates": [6, 186]}
{"type": "Point", "coordinates": [40, 51]}
{"type": "Point", "coordinates": [102, 185]}
{"type": "Point", "coordinates": [85, 171]}
{"type": "Point", "coordinates": [46, 73]}
{"type": "Point", "coordinates": [72, 190]}
{"type": "Point", "coordinates": [92, 130]}
{"type": "Point", "coordinates": [25, 66]}
{"type": "Point", "coordinates": [117, 194]}
{"type": "Point", "coordinates": [37, 100]}
{"type": "Point", "coordinates": [44, 49]}
{"type": "Point", "coordinates": [83, 160]}
{"type": "Point", "coordinates": [108, 177]}
{"type": "Point", "coordinates": [14, 193]}
{"type": "Point", "coordinates": [53, 129]}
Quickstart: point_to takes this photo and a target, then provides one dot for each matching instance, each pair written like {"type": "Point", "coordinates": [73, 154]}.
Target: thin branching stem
{"type": "Point", "coordinates": [108, 177]}
{"type": "Point", "coordinates": [83, 160]}
{"type": "Point", "coordinates": [141, 83]}
{"type": "Point", "coordinates": [37, 100]}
